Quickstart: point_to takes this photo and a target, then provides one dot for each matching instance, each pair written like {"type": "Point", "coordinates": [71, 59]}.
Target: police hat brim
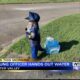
{"type": "Point", "coordinates": [27, 18]}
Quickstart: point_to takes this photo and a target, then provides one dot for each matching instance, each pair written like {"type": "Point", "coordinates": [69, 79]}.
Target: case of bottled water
{"type": "Point", "coordinates": [51, 46]}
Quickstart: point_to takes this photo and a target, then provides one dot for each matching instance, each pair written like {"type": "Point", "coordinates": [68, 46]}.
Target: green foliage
{"type": "Point", "coordinates": [35, 1]}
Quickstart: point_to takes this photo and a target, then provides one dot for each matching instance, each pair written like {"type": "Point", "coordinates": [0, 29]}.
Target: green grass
{"type": "Point", "coordinates": [66, 30]}
{"type": "Point", "coordinates": [35, 1]}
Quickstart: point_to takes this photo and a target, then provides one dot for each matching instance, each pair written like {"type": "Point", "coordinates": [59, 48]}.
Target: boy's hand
{"type": "Point", "coordinates": [31, 36]}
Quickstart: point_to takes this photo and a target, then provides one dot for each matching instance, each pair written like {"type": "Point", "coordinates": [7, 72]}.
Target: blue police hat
{"type": "Point", "coordinates": [33, 17]}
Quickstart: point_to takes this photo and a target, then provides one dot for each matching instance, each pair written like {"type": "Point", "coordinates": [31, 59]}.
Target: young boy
{"type": "Point", "coordinates": [33, 33]}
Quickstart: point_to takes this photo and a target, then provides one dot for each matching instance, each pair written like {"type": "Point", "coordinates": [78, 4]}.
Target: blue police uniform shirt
{"type": "Point", "coordinates": [35, 30]}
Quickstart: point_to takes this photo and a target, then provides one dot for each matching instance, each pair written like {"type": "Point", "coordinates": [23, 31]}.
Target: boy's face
{"type": "Point", "coordinates": [29, 24]}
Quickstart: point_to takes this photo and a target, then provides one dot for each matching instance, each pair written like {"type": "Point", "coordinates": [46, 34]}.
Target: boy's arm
{"type": "Point", "coordinates": [30, 33]}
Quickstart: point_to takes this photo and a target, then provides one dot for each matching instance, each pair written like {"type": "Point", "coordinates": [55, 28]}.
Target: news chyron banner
{"type": "Point", "coordinates": [25, 65]}
{"type": "Point", "coordinates": [36, 66]}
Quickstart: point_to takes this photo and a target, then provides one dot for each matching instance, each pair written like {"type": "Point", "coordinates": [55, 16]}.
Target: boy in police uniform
{"type": "Point", "coordinates": [33, 33]}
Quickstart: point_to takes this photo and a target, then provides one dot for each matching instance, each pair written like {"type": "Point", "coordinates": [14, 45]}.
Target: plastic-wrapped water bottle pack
{"type": "Point", "coordinates": [51, 46]}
